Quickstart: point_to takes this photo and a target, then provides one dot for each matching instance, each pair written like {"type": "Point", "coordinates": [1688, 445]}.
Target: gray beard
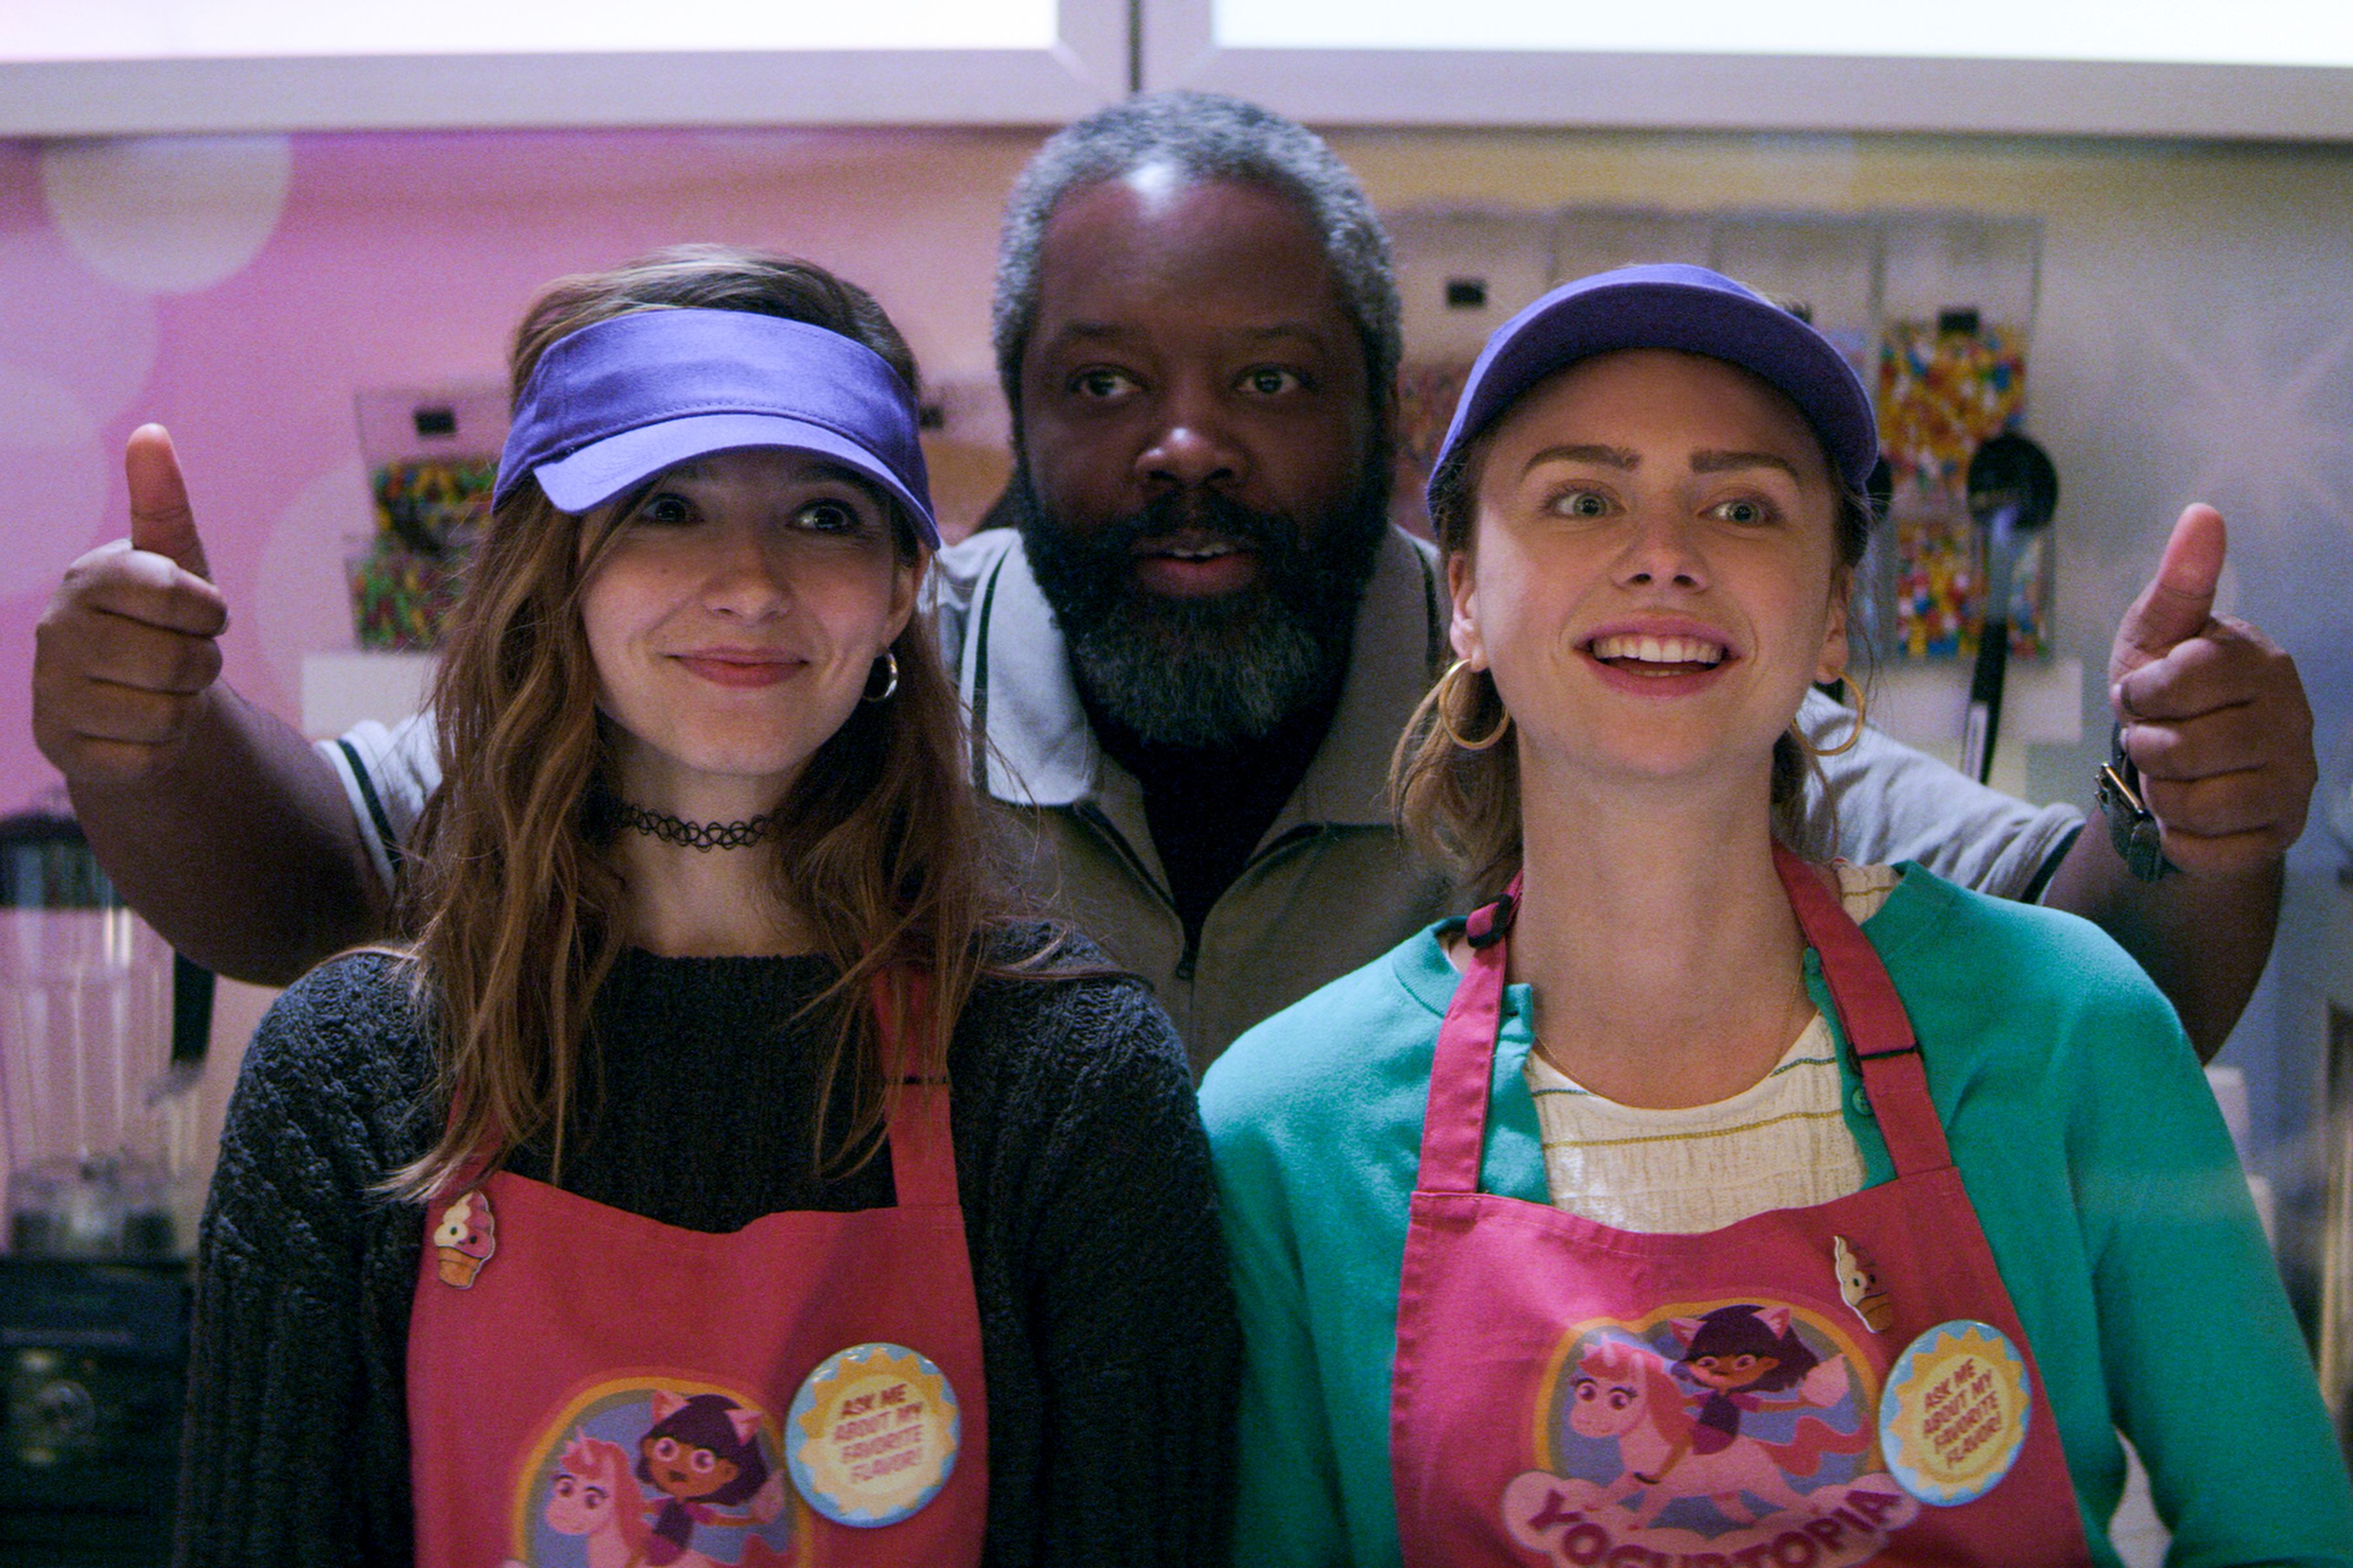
{"type": "Point", "coordinates": [1206, 673]}
{"type": "Point", "coordinates": [1197, 680]}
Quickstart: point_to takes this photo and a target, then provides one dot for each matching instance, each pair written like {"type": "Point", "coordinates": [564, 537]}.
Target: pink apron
{"type": "Point", "coordinates": [1810, 1387]}
{"type": "Point", "coordinates": [586, 1387]}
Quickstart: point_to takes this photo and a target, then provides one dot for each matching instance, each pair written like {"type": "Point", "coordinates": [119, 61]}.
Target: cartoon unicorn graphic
{"type": "Point", "coordinates": [1629, 1392]}
{"type": "Point", "coordinates": [594, 1494]}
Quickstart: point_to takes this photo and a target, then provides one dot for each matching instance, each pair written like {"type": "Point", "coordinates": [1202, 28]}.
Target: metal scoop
{"type": "Point", "coordinates": [2014, 490]}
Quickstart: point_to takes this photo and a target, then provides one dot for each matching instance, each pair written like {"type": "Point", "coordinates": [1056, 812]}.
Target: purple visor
{"type": "Point", "coordinates": [1671, 306]}
{"type": "Point", "coordinates": [616, 403]}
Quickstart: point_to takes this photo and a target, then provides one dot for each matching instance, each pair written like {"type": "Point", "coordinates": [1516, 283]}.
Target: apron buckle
{"type": "Point", "coordinates": [1489, 925]}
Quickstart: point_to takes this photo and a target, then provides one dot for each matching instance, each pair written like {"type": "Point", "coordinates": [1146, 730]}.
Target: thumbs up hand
{"type": "Point", "coordinates": [2214, 714]}
{"type": "Point", "coordinates": [126, 653]}
{"type": "Point", "coordinates": [161, 522]}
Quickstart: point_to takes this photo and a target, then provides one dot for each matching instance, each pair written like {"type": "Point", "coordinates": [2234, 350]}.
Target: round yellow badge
{"type": "Point", "coordinates": [1954, 1415]}
{"type": "Point", "coordinates": [872, 1435]}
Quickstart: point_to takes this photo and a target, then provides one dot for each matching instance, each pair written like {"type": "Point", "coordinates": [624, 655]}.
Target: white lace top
{"type": "Point", "coordinates": [1781, 1143]}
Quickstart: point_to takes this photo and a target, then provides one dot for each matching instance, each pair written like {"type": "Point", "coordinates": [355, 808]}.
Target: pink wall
{"type": "Point", "coordinates": [240, 290]}
{"type": "Point", "coordinates": [2191, 339]}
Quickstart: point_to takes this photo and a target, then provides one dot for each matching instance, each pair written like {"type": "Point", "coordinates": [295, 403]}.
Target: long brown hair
{"type": "Point", "coordinates": [1460, 807]}
{"type": "Point", "coordinates": [880, 845]}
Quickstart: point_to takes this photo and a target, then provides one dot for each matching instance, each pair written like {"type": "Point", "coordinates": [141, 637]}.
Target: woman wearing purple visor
{"type": "Point", "coordinates": [727, 1174]}
{"type": "Point", "coordinates": [1701, 1198]}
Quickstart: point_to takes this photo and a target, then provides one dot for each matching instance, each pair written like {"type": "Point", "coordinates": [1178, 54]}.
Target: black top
{"type": "Point", "coordinates": [1107, 1329]}
{"type": "Point", "coordinates": [1207, 806]}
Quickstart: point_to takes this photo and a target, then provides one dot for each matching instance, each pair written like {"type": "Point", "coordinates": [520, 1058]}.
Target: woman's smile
{"type": "Point", "coordinates": [1659, 659]}
{"type": "Point", "coordinates": [1666, 655]}
{"type": "Point", "coordinates": [741, 668]}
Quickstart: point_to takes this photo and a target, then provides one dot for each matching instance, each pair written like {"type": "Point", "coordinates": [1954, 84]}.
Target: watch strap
{"type": "Point", "coordinates": [2133, 828]}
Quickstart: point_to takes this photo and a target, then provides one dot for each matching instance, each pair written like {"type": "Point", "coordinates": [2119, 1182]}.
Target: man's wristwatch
{"type": "Point", "coordinates": [2131, 827]}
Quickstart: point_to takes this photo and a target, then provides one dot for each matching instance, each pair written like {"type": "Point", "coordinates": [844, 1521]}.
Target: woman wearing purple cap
{"type": "Point", "coordinates": [725, 1174]}
{"type": "Point", "coordinates": [1701, 1198]}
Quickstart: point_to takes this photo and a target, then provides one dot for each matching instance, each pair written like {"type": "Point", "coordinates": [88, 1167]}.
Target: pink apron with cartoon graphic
{"type": "Point", "coordinates": [1570, 1393]}
{"type": "Point", "coordinates": [586, 1387]}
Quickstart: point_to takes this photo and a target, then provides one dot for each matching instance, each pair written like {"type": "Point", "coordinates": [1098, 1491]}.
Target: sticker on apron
{"type": "Point", "coordinates": [872, 1435]}
{"type": "Point", "coordinates": [1953, 1418]}
{"type": "Point", "coordinates": [656, 1468]}
{"type": "Point", "coordinates": [1859, 1286]}
{"type": "Point", "coordinates": [465, 1238]}
{"type": "Point", "coordinates": [1706, 1432]}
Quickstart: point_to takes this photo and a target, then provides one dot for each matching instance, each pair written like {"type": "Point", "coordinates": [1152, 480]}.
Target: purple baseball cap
{"type": "Point", "coordinates": [616, 403]}
{"type": "Point", "coordinates": [1672, 306]}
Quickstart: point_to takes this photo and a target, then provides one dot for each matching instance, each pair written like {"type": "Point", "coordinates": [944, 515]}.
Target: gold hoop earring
{"type": "Point", "coordinates": [888, 668]}
{"type": "Point", "coordinates": [1446, 697]}
{"type": "Point", "coordinates": [1849, 689]}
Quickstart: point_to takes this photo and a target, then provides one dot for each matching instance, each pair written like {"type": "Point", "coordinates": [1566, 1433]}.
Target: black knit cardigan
{"type": "Point", "coordinates": [1108, 1330]}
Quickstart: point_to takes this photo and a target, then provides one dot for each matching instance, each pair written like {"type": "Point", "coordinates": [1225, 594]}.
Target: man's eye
{"type": "Point", "coordinates": [828, 517]}
{"type": "Point", "coordinates": [1271, 380]}
{"type": "Point", "coordinates": [1101, 384]}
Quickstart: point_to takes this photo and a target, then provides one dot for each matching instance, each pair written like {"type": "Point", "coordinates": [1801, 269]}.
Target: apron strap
{"type": "Point", "coordinates": [923, 1149]}
{"type": "Point", "coordinates": [470, 1173]}
{"type": "Point", "coordinates": [1894, 1081]}
{"type": "Point", "coordinates": [1454, 1121]}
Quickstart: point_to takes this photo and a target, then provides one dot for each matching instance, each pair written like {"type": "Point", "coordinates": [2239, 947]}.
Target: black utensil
{"type": "Point", "coordinates": [2014, 490]}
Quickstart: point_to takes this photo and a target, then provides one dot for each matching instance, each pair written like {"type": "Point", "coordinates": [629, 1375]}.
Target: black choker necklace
{"type": "Point", "coordinates": [688, 834]}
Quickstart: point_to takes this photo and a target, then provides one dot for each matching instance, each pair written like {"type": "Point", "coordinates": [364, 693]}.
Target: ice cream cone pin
{"type": "Point", "coordinates": [1859, 1286]}
{"type": "Point", "coordinates": [465, 1238]}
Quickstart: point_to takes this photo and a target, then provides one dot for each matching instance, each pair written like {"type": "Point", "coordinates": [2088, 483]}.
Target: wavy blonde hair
{"type": "Point", "coordinates": [509, 887]}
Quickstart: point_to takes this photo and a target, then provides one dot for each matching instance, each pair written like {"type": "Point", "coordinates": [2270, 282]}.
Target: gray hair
{"type": "Point", "coordinates": [1208, 136]}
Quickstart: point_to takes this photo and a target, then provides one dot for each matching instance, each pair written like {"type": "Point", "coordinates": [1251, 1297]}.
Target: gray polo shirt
{"type": "Point", "coordinates": [1331, 886]}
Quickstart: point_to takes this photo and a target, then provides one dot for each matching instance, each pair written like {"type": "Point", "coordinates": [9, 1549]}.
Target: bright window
{"type": "Point", "coordinates": [219, 29]}
{"type": "Point", "coordinates": [2248, 32]}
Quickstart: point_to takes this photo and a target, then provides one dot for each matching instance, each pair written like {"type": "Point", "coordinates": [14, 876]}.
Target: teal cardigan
{"type": "Point", "coordinates": [2106, 1184]}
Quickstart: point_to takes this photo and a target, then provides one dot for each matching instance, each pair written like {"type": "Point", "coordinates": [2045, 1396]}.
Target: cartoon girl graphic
{"type": "Point", "coordinates": [702, 1454]}
{"type": "Point", "coordinates": [1739, 1355]}
{"type": "Point", "coordinates": [1690, 1436]}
